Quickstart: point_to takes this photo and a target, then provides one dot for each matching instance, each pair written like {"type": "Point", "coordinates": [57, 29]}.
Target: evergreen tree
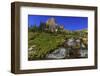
{"type": "Point", "coordinates": [42, 26]}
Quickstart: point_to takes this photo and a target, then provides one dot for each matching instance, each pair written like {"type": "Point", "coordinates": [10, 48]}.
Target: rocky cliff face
{"type": "Point", "coordinates": [51, 22]}
{"type": "Point", "coordinates": [53, 26]}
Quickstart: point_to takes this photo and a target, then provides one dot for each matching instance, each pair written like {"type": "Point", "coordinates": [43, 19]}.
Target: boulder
{"type": "Point", "coordinates": [83, 53]}
{"type": "Point", "coordinates": [57, 54]}
{"type": "Point", "coordinates": [31, 48]}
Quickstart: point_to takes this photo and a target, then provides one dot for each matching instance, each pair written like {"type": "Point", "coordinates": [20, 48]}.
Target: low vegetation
{"type": "Point", "coordinates": [44, 42]}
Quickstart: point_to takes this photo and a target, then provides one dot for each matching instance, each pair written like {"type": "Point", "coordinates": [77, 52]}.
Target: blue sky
{"type": "Point", "coordinates": [69, 22]}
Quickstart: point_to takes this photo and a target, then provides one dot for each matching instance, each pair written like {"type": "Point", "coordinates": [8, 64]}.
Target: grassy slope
{"type": "Point", "coordinates": [45, 42]}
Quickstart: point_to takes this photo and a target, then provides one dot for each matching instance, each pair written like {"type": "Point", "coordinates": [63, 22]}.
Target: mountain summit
{"type": "Point", "coordinates": [51, 21]}
{"type": "Point", "coordinates": [53, 26]}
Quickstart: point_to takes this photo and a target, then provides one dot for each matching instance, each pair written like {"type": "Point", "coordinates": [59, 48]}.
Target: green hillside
{"type": "Point", "coordinates": [45, 42]}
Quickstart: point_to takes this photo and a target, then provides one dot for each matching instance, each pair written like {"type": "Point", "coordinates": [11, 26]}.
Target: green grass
{"type": "Point", "coordinates": [45, 42]}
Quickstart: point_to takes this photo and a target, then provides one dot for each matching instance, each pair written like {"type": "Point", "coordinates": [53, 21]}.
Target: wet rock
{"type": "Point", "coordinates": [83, 53]}
{"type": "Point", "coordinates": [71, 42]}
{"type": "Point", "coordinates": [57, 54]}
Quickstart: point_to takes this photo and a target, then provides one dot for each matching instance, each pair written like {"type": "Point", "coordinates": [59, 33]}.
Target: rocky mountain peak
{"type": "Point", "coordinates": [51, 21]}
